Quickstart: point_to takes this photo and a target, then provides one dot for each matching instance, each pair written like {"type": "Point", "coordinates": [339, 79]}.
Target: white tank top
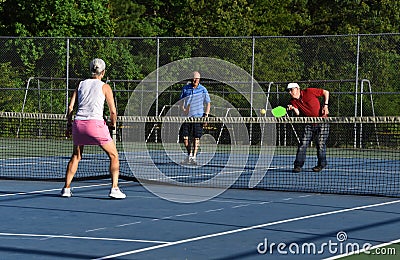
{"type": "Point", "coordinates": [90, 100]}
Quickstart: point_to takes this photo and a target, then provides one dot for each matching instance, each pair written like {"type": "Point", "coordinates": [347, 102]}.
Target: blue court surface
{"type": "Point", "coordinates": [238, 224]}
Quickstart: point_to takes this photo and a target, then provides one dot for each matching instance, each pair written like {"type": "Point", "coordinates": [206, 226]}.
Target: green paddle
{"type": "Point", "coordinates": [278, 111]}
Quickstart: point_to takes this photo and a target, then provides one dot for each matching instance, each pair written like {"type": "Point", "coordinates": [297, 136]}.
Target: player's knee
{"type": "Point", "coordinates": [76, 157]}
{"type": "Point", "coordinates": [113, 156]}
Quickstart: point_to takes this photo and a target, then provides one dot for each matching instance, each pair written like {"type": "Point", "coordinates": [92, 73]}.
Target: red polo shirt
{"type": "Point", "coordinates": [308, 103]}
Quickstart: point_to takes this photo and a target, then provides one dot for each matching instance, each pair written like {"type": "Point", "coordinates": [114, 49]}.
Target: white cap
{"type": "Point", "coordinates": [196, 75]}
{"type": "Point", "coordinates": [97, 66]}
{"type": "Point", "coordinates": [292, 85]}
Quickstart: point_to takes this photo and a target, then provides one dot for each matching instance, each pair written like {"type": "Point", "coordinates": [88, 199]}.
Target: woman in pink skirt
{"type": "Point", "coordinates": [89, 127]}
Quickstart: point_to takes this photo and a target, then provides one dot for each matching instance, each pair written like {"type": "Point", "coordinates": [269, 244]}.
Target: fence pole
{"type": "Point", "coordinates": [67, 76]}
{"type": "Point", "coordinates": [356, 90]}
{"type": "Point", "coordinates": [157, 80]}
{"type": "Point", "coordinates": [252, 86]}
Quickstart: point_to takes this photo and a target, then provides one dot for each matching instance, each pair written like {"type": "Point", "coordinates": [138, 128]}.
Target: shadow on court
{"type": "Point", "coordinates": [37, 223]}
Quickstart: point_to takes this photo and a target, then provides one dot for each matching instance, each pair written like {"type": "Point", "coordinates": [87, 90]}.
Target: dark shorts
{"type": "Point", "coordinates": [194, 130]}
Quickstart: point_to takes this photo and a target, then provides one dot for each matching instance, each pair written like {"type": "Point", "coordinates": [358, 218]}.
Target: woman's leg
{"type": "Point", "coordinates": [72, 166]}
{"type": "Point", "coordinates": [112, 153]}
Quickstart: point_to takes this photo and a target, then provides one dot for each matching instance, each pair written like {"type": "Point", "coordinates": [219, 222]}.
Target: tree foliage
{"type": "Point", "coordinates": [137, 18]}
{"type": "Point", "coordinates": [90, 25]}
{"type": "Point", "coordinates": [352, 17]}
{"type": "Point", "coordinates": [56, 18]}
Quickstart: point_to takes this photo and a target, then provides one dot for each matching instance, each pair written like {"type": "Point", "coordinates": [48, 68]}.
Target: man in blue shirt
{"type": "Point", "coordinates": [194, 102]}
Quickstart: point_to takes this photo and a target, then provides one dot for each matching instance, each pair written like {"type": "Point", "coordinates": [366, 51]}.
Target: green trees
{"type": "Point", "coordinates": [352, 17]}
{"type": "Point", "coordinates": [208, 18]}
{"type": "Point", "coordinates": [59, 18]}
{"type": "Point", "coordinates": [87, 28]}
{"type": "Point", "coordinates": [72, 18]}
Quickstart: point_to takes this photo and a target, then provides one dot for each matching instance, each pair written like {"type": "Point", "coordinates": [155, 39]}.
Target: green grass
{"type": "Point", "coordinates": [388, 252]}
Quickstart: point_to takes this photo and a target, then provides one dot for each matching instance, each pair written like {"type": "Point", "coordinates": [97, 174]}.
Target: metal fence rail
{"type": "Point", "coordinates": [360, 71]}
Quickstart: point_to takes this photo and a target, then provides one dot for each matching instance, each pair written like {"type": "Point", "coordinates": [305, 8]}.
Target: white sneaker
{"type": "Point", "coordinates": [66, 192]}
{"type": "Point", "coordinates": [116, 193]}
{"type": "Point", "coordinates": [192, 161]}
{"type": "Point", "coordinates": [186, 160]}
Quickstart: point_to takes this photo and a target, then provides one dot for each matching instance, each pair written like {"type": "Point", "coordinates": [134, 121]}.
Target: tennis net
{"type": "Point", "coordinates": [363, 153]}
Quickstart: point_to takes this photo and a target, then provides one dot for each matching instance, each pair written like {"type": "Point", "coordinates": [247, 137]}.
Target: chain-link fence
{"type": "Point", "coordinates": [360, 71]}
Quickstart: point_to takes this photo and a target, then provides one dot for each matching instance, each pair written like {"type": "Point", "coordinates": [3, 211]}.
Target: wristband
{"type": "Point", "coordinates": [326, 105]}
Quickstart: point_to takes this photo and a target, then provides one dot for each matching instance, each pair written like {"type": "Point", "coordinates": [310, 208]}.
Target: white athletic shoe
{"type": "Point", "coordinates": [66, 192]}
{"type": "Point", "coordinates": [192, 161]}
{"type": "Point", "coordinates": [116, 193]}
{"type": "Point", "coordinates": [186, 160]}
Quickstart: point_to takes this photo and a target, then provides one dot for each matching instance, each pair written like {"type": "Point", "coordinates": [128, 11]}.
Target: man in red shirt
{"type": "Point", "coordinates": [306, 103]}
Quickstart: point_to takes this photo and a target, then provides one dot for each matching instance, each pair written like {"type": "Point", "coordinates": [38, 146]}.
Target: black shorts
{"type": "Point", "coordinates": [194, 130]}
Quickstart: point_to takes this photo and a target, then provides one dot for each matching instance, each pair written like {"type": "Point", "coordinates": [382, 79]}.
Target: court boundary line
{"type": "Point", "coordinates": [85, 238]}
{"type": "Point", "coordinates": [59, 189]}
{"type": "Point", "coordinates": [245, 229]}
{"type": "Point", "coordinates": [360, 251]}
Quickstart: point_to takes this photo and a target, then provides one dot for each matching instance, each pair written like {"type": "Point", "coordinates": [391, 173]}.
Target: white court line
{"type": "Point", "coordinates": [363, 250]}
{"type": "Point", "coordinates": [214, 210]}
{"type": "Point", "coordinates": [128, 224]}
{"type": "Point", "coordinates": [96, 229]}
{"type": "Point", "coordinates": [57, 189]}
{"type": "Point", "coordinates": [245, 229]}
{"type": "Point", "coordinates": [186, 214]}
{"type": "Point", "coordinates": [305, 196]}
{"type": "Point", "coordinates": [85, 238]}
{"type": "Point", "coordinates": [242, 205]}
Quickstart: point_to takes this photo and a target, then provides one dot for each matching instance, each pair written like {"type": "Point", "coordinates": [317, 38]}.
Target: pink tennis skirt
{"type": "Point", "coordinates": [90, 132]}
